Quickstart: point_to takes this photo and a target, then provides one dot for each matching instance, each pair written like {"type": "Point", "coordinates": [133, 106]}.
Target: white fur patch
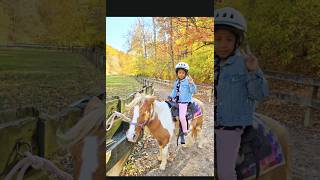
{"type": "Point", "coordinates": [89, 162]}
{"type": "Point", "coordinates": [131, 130]}
{"type": "Point", "coordinates": [164, 115]}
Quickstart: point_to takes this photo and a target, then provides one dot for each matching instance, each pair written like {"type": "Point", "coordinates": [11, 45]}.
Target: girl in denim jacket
{"type": "Point", "coordinates": [183, 89]}
{"type": "Point", "coordinates": [239, 83]}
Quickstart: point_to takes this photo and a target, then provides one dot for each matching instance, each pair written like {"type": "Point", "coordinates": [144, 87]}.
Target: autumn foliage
{"type": "Point", "coordinates": [155, 48]}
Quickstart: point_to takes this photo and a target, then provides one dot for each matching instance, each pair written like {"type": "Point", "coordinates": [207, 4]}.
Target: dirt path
{"type": "Point", "coordinates": [185, 161]}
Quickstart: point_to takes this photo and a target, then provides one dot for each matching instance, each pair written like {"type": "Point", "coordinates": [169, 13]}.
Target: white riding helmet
{"type": "Point", "coordinates": [182, 65]}
{"type": "Point", "coordinates": [230, 17]}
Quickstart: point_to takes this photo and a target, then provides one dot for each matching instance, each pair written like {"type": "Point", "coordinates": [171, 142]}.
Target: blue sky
{"type": "Point", "coordinates": [117, 29]}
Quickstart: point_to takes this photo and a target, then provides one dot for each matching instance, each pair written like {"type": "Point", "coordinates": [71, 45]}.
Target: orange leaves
{"type": "Point", "coordinates": [173, 39]}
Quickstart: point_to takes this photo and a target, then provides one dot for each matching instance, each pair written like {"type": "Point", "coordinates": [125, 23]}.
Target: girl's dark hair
{"type": "Point", "coordinates": [238, 33]}
{"type": "Point", "coordinates": [182, 69]}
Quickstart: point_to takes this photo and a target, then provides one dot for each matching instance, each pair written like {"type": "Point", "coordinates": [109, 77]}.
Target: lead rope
{"type": "Point", "coordinates": [36, 162]}
{"type": "Point", "coordinates": [110, 120]}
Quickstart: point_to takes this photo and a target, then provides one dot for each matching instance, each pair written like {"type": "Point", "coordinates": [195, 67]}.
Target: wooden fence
{"type": "Point", "coordinates": [27, 129]}
{"type": "Point", "coordinates": [310, 103]}
{"type": "Point", "coordinates": [95, 55]}
{"type": "Point", "coordinates": [205, 90]}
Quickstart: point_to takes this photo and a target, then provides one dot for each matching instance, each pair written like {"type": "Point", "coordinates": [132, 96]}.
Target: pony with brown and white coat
{"type": "Point", "coordinates": [156, 116]}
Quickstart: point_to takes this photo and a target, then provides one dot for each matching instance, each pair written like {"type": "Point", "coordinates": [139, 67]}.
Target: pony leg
{"type": "Point", "coordinates": [160, 154]}
{"type": "Point", "coordinates": [200, 138]}
{"type": "Point", "coordinates": [190, 139]}
{"type": "Point", "coordinates": [164, 159]}
{"type": "Point", "coordinates": [177, 127]}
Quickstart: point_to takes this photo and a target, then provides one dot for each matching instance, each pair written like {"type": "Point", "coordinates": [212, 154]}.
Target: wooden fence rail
{"type": "Point", "coordinates": [95, 55]}
{"type": "Point", "coordinates": [310, 103]}
{"type": "Point", "coordinates": [201, 89]}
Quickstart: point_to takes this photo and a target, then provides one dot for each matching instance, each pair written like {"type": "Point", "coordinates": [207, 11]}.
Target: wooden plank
{"type": "Point", "coordinates": [117, 168]}
{"type": "Point", "coordinates": [119, 150]}
{"type": "Point", "coordinates": [303, 101]}
{"type": "Point", "coordinates": [23, 128]}
{"type": "Point", "coordinates": [111, 107]}
{"type": "Point", "coordinates": [64, 121]}
{"type": "Point", "coordinates": [308, 117]}
{"type": "Point", "coordinates": [202, 90]}
{"type": "Point", "coordinates": [296, 78]}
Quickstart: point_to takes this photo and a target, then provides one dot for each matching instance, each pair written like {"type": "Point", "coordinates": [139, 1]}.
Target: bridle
{"type": "Point", "coordinates": [142, 125]}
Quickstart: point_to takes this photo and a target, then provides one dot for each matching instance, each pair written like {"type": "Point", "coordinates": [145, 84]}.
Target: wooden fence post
{"type": "Point", "coordinates": [308, 116]}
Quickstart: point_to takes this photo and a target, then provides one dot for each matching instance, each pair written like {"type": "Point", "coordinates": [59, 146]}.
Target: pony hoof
{"type": "Point", "coordinates": [200, 146]}
{"type": "Point", "coordinates": [162, 167]}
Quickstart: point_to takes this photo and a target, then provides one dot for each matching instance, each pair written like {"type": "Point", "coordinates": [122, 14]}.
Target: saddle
{"type": "Point", "coordinates": [253, 147]}
{"type": "Point", "coordinates": [259, 151]}
{"type": "Point", "coordinates": [191, 110]}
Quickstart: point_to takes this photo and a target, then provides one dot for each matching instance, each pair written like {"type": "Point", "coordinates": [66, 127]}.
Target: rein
{"type": "Point", "coordinates": [141, 125]}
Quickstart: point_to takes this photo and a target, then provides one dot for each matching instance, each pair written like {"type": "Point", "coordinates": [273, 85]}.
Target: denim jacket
{"type": "Point", "coordinates": [186, 90]}
{"type": "Point", "coordinates": [237, 92]}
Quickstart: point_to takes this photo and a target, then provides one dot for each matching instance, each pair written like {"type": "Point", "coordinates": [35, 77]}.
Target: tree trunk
{"type": "Point", "coordinates": [143, 38]}
{"type": "Point", "coordinates": [171, 46]}
{"type": "Point", "coordinates": [154, 37]}
{"type": "Point", "coordinates": [186, 36]}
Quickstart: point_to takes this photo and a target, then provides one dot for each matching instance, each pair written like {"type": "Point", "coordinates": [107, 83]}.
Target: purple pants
{"type": "Point", "coordinates": [182, 116]}
{"type": "Point", "coordinates": [228, 144]}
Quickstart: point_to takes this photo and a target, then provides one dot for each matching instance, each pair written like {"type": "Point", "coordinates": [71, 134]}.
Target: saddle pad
{"type": "Point", "coordinates": [197, 111]}
{"type": "Point", "coordinates": [269, 161]}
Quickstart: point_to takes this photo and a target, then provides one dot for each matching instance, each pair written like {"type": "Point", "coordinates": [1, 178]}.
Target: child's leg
{"type": "Point", "coordinates": [228, 143]}
{"type": "Point", "coordinates": [182, 116]}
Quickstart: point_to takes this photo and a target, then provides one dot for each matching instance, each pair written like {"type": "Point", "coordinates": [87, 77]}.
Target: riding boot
{"type": "Point", "coordinates": [182, 136]}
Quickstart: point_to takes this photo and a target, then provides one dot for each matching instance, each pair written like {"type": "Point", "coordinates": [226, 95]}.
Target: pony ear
{"type": "Point", "coordinates": [153, 98]}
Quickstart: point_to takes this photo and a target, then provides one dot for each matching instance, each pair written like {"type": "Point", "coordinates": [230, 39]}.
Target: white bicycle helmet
{"type": "Point", "coordinates": [182, 65]}
{"type": "Point", "coordinates": [228, 17]}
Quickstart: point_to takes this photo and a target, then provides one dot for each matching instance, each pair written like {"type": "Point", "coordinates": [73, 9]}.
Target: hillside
{"type": "Point", "coordinates": [118, 62]}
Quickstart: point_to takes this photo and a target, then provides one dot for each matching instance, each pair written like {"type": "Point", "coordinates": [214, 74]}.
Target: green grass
{"type": "Point", "coordinates": [121, 85]}
{"type": "Point", "coordinates": [47, 80]}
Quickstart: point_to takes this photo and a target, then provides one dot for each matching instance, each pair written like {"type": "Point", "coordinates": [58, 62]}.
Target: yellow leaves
{"type": "Point", "coordinates": [175, 40]}
{"type": "Point", "coordinates": [118, 62]}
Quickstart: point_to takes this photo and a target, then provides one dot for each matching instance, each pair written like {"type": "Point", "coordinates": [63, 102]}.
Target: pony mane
{"type": "Point", "coordinates": [138, 97]}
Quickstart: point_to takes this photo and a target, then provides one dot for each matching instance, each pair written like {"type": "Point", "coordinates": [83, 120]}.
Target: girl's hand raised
{"type": "Point", "coordinates": [190, 79]}
{"type": "Point", "coordinates": [251, 60]}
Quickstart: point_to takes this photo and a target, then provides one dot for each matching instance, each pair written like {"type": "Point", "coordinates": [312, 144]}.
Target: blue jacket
{"type": "Point", "coordinates": [186, 90]}
{"type": "Point", "coordinates": [237, 92]}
